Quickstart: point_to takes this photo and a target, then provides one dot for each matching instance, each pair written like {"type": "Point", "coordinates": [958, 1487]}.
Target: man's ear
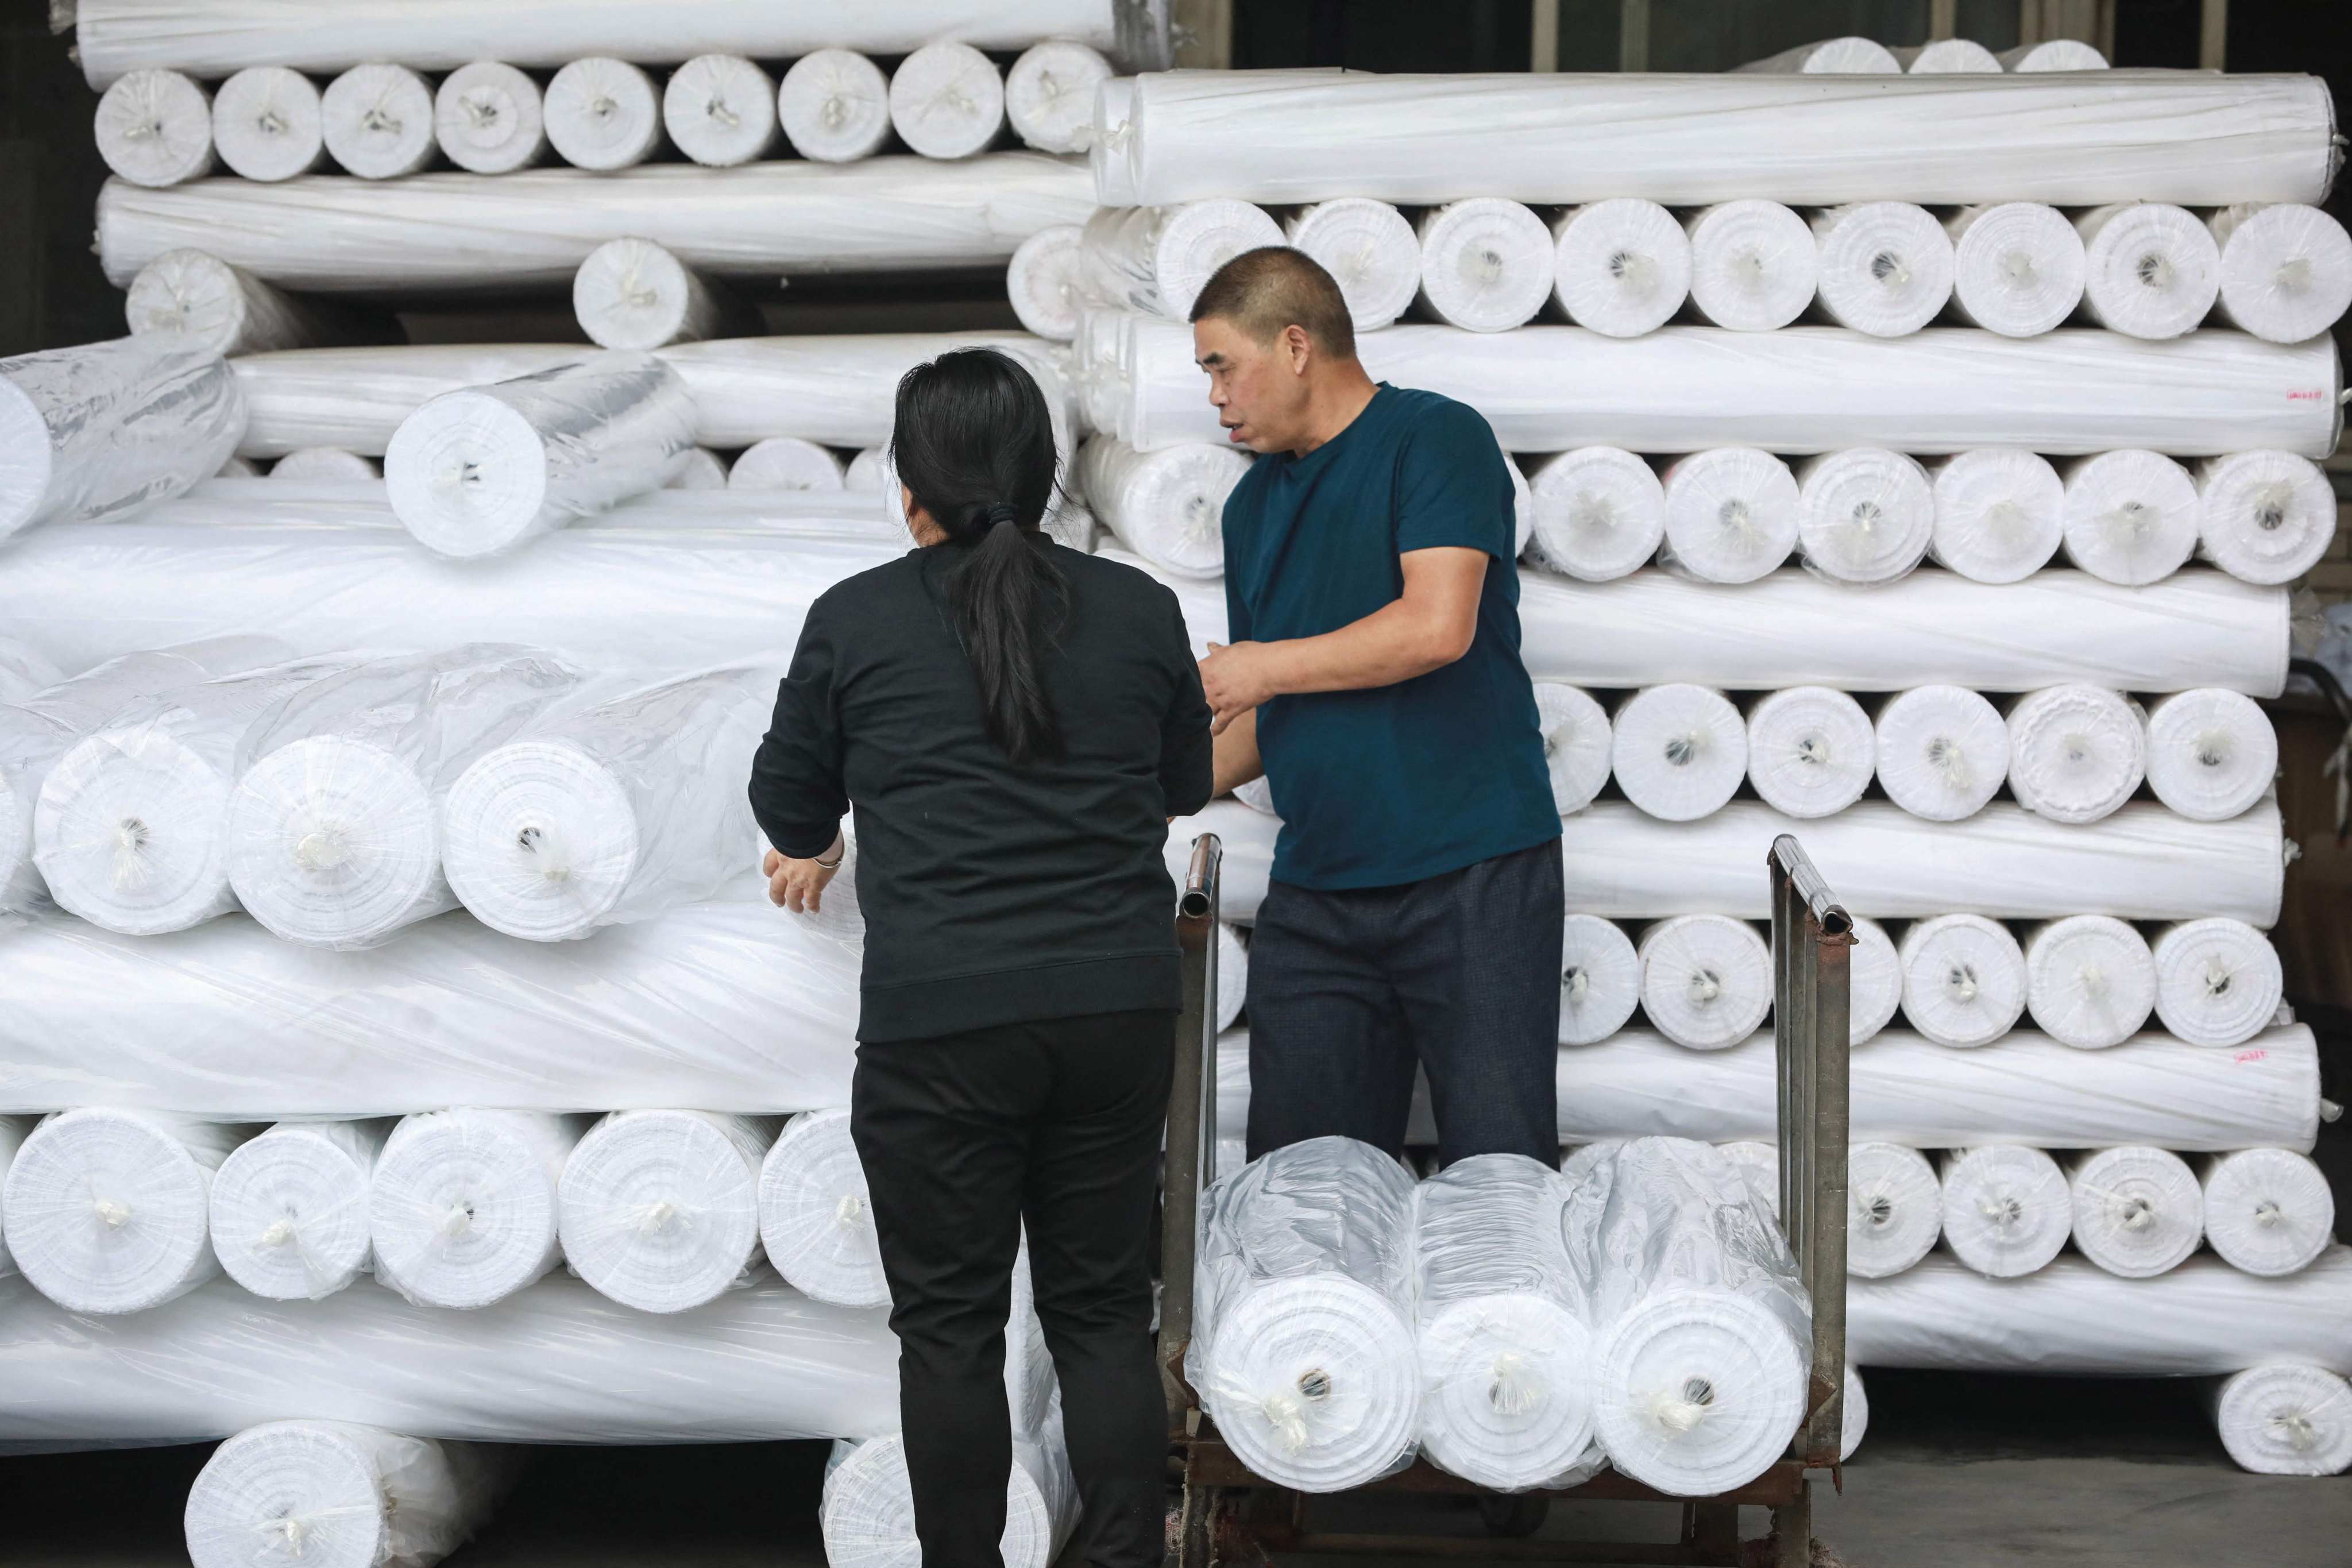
{"type": "Point", "coordinates": [1299, 347]}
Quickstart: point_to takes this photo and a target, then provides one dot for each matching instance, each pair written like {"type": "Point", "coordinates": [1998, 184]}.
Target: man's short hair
{"type": "Point", "coordinates": [1262, 291]}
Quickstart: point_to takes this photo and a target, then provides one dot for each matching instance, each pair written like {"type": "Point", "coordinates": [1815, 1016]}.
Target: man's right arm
{"type": "Point", "coordinates": [1237, 761]}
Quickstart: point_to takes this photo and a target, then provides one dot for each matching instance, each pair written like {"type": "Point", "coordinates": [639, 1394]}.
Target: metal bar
{"type": "Point", "coordinates": [1204, 34]}
{"type": "Point", "coordinates": [1485, 1550]}
{"type": "Point", "coordinates": [1633, 34]}
{"type": "Point", "coordinates": [1191, 1118]}
{"type": "Point", "coordinates": [1211, 1462]}
{"type": "Point", "coordinates": [1943, 19]}
{"type": "Point", "coordinates": [2213, 36]}
{"type": "Point", "coordinates": [2029, 22]}
{"type": "Point", "coordinates": [1543, 34]}
{"type": "Point", "coordinates": [1826, 1246]}
{"type": "Point", "coordinates": [1792, 1525]}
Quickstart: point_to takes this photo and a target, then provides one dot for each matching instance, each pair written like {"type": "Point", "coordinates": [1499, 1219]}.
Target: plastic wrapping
{"type": "Point", "coordinates": [1754, 265]}
{"type": "Point", "coordinates": [1678, 751]}
{"type": "Point", "coordinates": [105, 431]}
{"type": "Point", "coordinates": [2287, 1418]}
{"type": "Point", "coordinates": [1623, 267]}
{"type": "Point", "coordinates": [106, 1210]}
{"type": "Point", "coordinates": [1810, 750]}
{"type": "Point", "coordinates": [155, 127]}
{"type": "Point", "coordinates": [377, 122]}
{"type": "Point", "coordinates": [1942, 752]}
{"type": "Point", "coordinates": [489, 119]}
{"type": "Point", "coordinates": [816, 1217]}
{"type": "Point", "coordinates": [289, 1208]}
{"type": "Point", "coordinates": [2090, 981]}
{"type": "Point", "coordinates": [1732, 514]}
{"type": "Point", "coordinates": [1302, 1345]}
{"type": "Point", "coordinates": [1369, 250]}
{"type": "Point", "coordinates": [2267, 1211]}
{"type": "Point", "coordinates": [1943, 56]}
{"type": "Point", "coordinates": [2151, 269]}
{"type": "Point", "coordinates": [2264, 517]}
{"type": "Point", "coordinates": [2053, 54]}
{"type": "Point", "coordinates": [2217, 981]}
{"type": "Point", "coordinates": [2076, 753]}
{"type": "Point", "coordinates": [2132, 516]}
{"type": "Point", "coordinates": [340, 1496]}
{"type": "Point", "coordinates": [2001, 512]}
{"type": "Point", "coordinates": [868, 1510]}
{"type": "Point", "coordinates": [1894, 1208]}
{"type": "Point", "coordinates": [324, 465]}
{"type": "Point", "coordinates": [1600, 513]}
{"type": "Point", "coordinates": [633, 294]}
{"type": "Point", "coordinates": [1864, 515]}
{"type": "Point", "coordinates": [947, 100]}
{"type": "Point", "coordinates": [1049, 95]}
{"type": "Point", "coordinates": [2138, 1211]}
{"type": "Point", "coordinates": [463, 1209]}
{"type": "Point", "coordinates": [704, 470]}
{"type": "Point", "coordinates": [1486, 265]}
{"type": "Point", "coordinates": [659, 1210]}
{"type": "Point", "coordinates": [1501, 1325]}
{"type": "Point", "coordinates": [1963, 979]}
{"type": "Point", "coordinates": [2286, 269]}
{"type": "Point", "coordinates": [1110, 142]}
{"type": "Point", "coordinates": [834, 106]}
{"type": "Point", "coordinates": [720, 110]}
{"type": "Point", "coordinates": [1832, 57]}
{"type": "Point", "coordinates": [1167, 506]}
{"type": "Point", "coordinates": [1886, 267]}
{"type": "Point", "coordinates": [22, 671]}
{"type": "Point", "coordinates": [602, 115]}
{"type": "Point", "coordinates": [786, 463]}
{"type": "Point", "coordinates": [1156, 259]}
{"type": "Point", "coordinates": [2018, 267]}
{"type": "Point", "coordinates": [1575, 737]}
{"type": "Point", "coordinates": [1707, 980]}
{"type": "Point", "coordinates": [1874, 981]}
{"type": "Point", "coordinates": [2007, 1210]}
{"type": "Point", "coordinates": [1599, 980]}
{"type": "Point", "coordinates": [267, 124]}
{"type": "Point", "coordinates": [1047, 281]}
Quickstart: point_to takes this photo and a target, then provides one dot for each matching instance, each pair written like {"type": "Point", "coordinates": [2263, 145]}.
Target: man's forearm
{"type": "Point", "coordinates": [1396, 642]}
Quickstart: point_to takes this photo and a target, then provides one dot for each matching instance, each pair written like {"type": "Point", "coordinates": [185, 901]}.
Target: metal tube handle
{"type": "Point", "coordinates": [1192, 1117]}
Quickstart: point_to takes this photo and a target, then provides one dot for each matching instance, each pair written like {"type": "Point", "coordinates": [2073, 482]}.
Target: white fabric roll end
{"type": "Point", "coordinates": [128, 834]}
{"type": "Point", "coordinates": [1678, 751]}
{"type": "Point", "coordinates": [658, 1210]}
{"type": "Point", "coordinates": [468, 475]}
{"type": "Point", "coordinates": [720, 110]}
{"type": "Point", "coordinates": [602, 113]}
{"type": "Point", "coordinates": [2018, 267]}
{"type": "Point", "coordinates": [1599, 980]}
{"type": "Point", "coordinates": [1754, 265]}
{"type": "Point", "coordinates": [1313, 1381]}
{"type": "Point", "coordinates": [1864, 515]}
{"type": "Point", "coordinates": [2007, 1211]}
{"type": "Point", "coordinates": [1895, 1209]}
{"type": "Point", "coordinates": [2076, 753]}
{"type": "Point", "coordinates": [290, 1209]}
{"type": "Point", "coordinates": [105, 1211]}
{"type": "Point", "coordinates": [155, 128]}
{"type": "Point", "coordinates": [1369, 250]}
{"type": "Point", "coordinates": [1621, 268]}
{"type": "Point", "coordinates": [488, 120]}
{"type": "Point", "coordinates": [325, 465]}
{"type": "Point", "coordinates": [1047, 281]}
{"type": "Point", "coordinates": [2090, 981]}
{"type": "Point", "coordinates": [834, 106]}
{"type": "Point", "coordinates": [1575, 737]}
{"type": "Point", "coordinates": [786, 463]}
{"type": "Point", "coordinates": [2138, 1212]}
{"type": "Point", "coordinates": [378, 121]}
{"type": "Point", "coordinates": [1049, 95]}
{"type": "Point", "coordinates": [1885, 267]}
{"type": "Point", "coordinates": [2267, 1211]}
{"type": "Point", "coordinates": [1506, 1396]}
{"type": "Point", "coordinates": [2211, 754]}
{"type": "Point", "coordinates": [2286, 269]}
{"type": "Point", "coordinates": [1810, 750]}
{"type": "Point", "coordinates": [947, 100]}
{"type": "Point", "coordinates": [1486, 264]}
{"type": "Point", "coordinates": [1732, 514]}
{"type": "Point", "coordinates": [333, 843]}
{"type": "Point", "coordinates": [267, 123]}
{"type": "Point", "coordinates": [816, 1217]}
{"type": "Point", "coordinates": [2217, 981]}
{"type": "Point", "coordinates": [2001, 512]}
{"type": "Point", "coordinates": [2055, 54]}
{"type": "Point", "coordinates": [1943, 752]}
{"type": "Point", "coordinates": [539, 840]}
{"type": "Point", "coordinates": [2286, 1419]}
{"type": "Point", "coordinates": [1963, 979]}
{"type": "Point", "coordinates": [1697, 1392]}
{"type": "Point", "coordinates": [2132, 517]}
{"type": "Point", "coordinates": [2152, 270]}
{"type": "Point", "coordinates": [2264, 517]}
{"type": "Point", "coordinates": [1600, 513]}
{"type": "Point", "coordinates": [632, 293]}
{"type": "Point", "coordinates": [1707, 980]}
{"type": "Point", "coordinates": [1947, 57]}
{"type": "Point", "coordinates": [463, 1207]}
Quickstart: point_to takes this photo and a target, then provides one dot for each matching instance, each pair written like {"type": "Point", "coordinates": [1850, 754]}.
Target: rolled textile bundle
{"type": "Point", "coordinates": [289, 1208]}
{"type": "Point", "coordinates": [377, 121]}
{"type": "Point", "coordinates": [2266, 517]}
{"type": "Point", "coordinates": [2053, 54]}
{"type": "Point", "coordinates": [475, 472]}
{"type": "Point", "coordinates": [2217, 981]}
{"type": "Point", "coordinates": [2090, 981]}
{"type": "Point", "coordinates": [1705, 1336]}
{"type": "Point", "coordinates": [1874, 981]}
{"type": "Point", "coordinates": [1500, 1325]}
{"type": "Point", "coordinates": [1109, 150]}
{"type": "Point", "coordinates": [1156, 259]}
{"type": "Point", "coordinates": [488, 117]}
{"type": "Point", "coordinates": [2001, 512]}
{"type": "Point", "coordinates": [105, 1209]}
{"type": "Point", "coordinates": [2132, 516]}
{"type": "Point", "coordinates": [1523, 508]}
{"type": "Point", "coordinates": [1678, 751]}
{"type": "Point", "coordinates": [2018, 267]}
{"type": "Point", "coordinates": [1047, 281]}
{"type": "Point", "coordinates": [1599, 980]}
{"type": "Point", "coordinates": [659, 1209]}
{"type": "Point", "coordinates": [1754, 265]}
{"type": "Point", "coordinates": [1600, 513]}
{"type": "Point", "coordinates": [612, 812]}
{"type": "Point", "coordinates": [325, 465]}
{"type": "Point", "coordinates": [13, 1131]}
{"type": "Point", "coordinates": [602, 115]}
{"type": "Point", "coordinates": [947, 100]}
{"type": "Point", "coordinates": [155, 127]}
{"type": "Point", "coordinates": [1576, 737]}
{"type": "Point", "coordinates": [1369, 250]}
{"type": "Point", "coordinates": [267, 123]}
{"type": "Point", "coordinates": [1944, 56]}
{"type": "Point", "coordinates": [1893, 1209]}
{"type": "Point", "coordinates": [867, 1513]}
{"type": "Point", "coordinates": [1621, 268]}
{"type": "Point", "coordinates": [2151, 269]}
{"type": "Point", "coordinates": [1942, 752]}
{"type": "Point", "coordinates": [1810, 750]}
{"type": "Point", "coordinates": [786, 463]}
{"type": "Point", "coordinates": [2138, 1212]}
{"type": "Point", "coordinates": [1854, 1416]}
{"type": "Point", "coordinates": [103, 431]}
{"type": "Point", "coordinates": [2076, 753]}
{"type": "Point", "coordinates": [239, 468]}
{"type": "Point", "coordinates": [1167, 506]}
{"type": "Point", "coordinates": [340, 1495]}
{"type": "Point", "coordinates": [866, 470]}
{"type": "Point", "coordinates": [1832, 57]}
{"type": "Point", "coordinates": [1732, 514]}
{"type": "Point", "coordinates": [1302, 1345]}
{"type": "Point", "coordinates": [1486, 265]}
{"type": "Point", "coordinates": [2212, 753]}
{"type": "Point", "coordinates": [2007, 1210]}
{"type": "Point", "coordinates": [1863, 515]}
{"type": "Point", "coordinates": [816, 1217]}
{"type": "Point", "coordinates": [1707, 980]}
{"type": "Point", "coordinates": [2287, 1418]}
{"type": "Point", "coordinates": [462, 1210]}
{"type": "Point", "coordinates": [1759, 1164]}
{"type": "Point", "coordinates": [720, 110]}
{"type": "Point", "coordinates": [1049, 95]}
{"type": "Point", "coordinates": [1233, 974]}
{"type": "Point", "coordinates": [2286, 268]}
{"type": "Point", "coordinates": [2267, 1211]}
{"type": "Point", "coordinates": [632, 294]}
{"type": "Point", "coordinates": [22, 671]}
{"type": "Point", "coordinates": [1886, 267]}
{"type": "Point", "coordinates": [834, 106]}
{"type": "Point", "coordinates": [1963, 979]}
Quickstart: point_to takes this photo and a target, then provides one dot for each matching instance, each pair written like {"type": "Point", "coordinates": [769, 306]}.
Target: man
{"type": "Point", "coordinates": [1374, 679]}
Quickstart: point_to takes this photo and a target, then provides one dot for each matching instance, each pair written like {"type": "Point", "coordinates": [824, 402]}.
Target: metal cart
{"type": "Point", "coordinates": [1230, 1516]}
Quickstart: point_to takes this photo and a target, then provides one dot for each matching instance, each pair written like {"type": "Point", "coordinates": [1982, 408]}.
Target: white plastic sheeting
{"type": "Point", "coordinates": [1167, 506]}
{"type": "Point", "coordinates": [2287, 1418]}
{"type": "Point", "coordinates": [1623, 267]}
{"type": "Point", "coordinates": [2267, 1211]}
{"type": "Point", "coordinates": [659, 1209]}
{"type": "Point", "coordinates": [720, 110]}
{"type": "Point", "coordinates": [22, 671]}
{"type": "Point", "coordinates": [340, 1496]}
{"type": "Point", "coordinates": [1049, 95]}
{"type": "Point", "coordinates": [2076, 753]}
{"type": "Point", "coordinates": [2001, 512]}
{"type": "Point", "coordinates": [1047, 281]}
{"type": "Point", "coordinates": [2090, 981]}
{"type": "Point", "coordinates": [1895, 1208]}
{"type": "Point", "coordinates": [1864, 515]}
{"type": "Point", "coordinates": [223, 309]}
{"type": "Point", "coordinates": [489, 119]}
{"type": "Point", "coordinates": [289, 1208]}
{"type": "Point", "coordinates": [1369, 250]}
{"type": "Point", "coordinates": [1678, 751]}
{"type": "Point", "coordinates": [2217, 981]}
{"type": "Point", "coordinates": [1942, 752]}
{"type": "Point", "coordinates": [1155, 259]}
{"type": "Point", "coordinates": [2151, 269]}
{"type": "Point", "coordinates": [268, 125]}
{"type": "Point", "coordinates": [155, 127]}
{"type": "Point", "coordinates": [2007, 1210]}
{"type": "Point", "coordinates": [1600, 513]}
{"type": "Point", "coordinates": [1732, 514]}
{"type": "Point", "coordinates": [1575, 737]}
{"type": "Point", "coordinates": [462, 1208]}
{"type": "Point", "coordinates": [1886, 267]}
{"type": "Point", "coordinates": [2138, 1212]}
{"type": "Point", "coordinates": [1833, 56]}
{"type": "Point", "coordinates": [2132, 516]}
{"type": "Point", "coordinates": [377, 121]}
{"type": "Point", "coordinates": [105, 431]}
{"type": "Point", "coordinates": [1810, 750]}
{"type": "Point", "coordinates": [632, 294]}
{"type": "Point", "coordinates": [1754, 265]}
{"type": "Point", "coordinates": [867, 1513]}
{"type": "Point", "coordinates": [1486, 265]}
{"type": "Point", "coordinates": [2266, 516]}
{"type": "Point", "coordinates": [816, 1217]}
{"type": "Point", "coordinates": [2018, 267]}
{"type": "Point", "coordinates": [1964, 980]}
{"type": "Point", "coordinates": [1599, 980]}
{"type": "Point", "coordinates": [1707, 981]}
{"type": "Point", "coordinates": [834, 106]}
{"type": "Point", "coordinates": [2286, 269]}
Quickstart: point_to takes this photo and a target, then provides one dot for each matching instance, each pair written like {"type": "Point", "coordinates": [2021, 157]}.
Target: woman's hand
{"type": "Point", "coordinates": [798, 885]}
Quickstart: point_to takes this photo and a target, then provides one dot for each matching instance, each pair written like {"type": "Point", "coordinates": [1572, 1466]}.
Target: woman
{"type": "Point", "coordinates": [1013, 723]}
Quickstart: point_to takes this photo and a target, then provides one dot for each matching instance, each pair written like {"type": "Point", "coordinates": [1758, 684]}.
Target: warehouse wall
{"type": "Point", "coordinates": [51, 291]}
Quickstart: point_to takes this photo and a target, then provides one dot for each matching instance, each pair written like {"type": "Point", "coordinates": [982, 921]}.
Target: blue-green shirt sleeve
{"type": "Point", "coordinates": [1453, 487]}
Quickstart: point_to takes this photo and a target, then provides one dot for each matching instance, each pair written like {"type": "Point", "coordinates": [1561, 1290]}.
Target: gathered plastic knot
{"type": "Point", "coordinates": [2297, 1427]}
{"type": "Point", "coordinates": [378, 119]}
{"type": "Point", "coordinates": [270, 123]}
{"type": "Point", "coordinates": [1683, 1414]}
{"type": "Point", "coordinates": [2272, 504]}
{"type": "Point", "coordinates": [1287, 1413]}
{"type": "Point", "coordinates": [2268, 1215]}
{"type": "Point", "coordinates": [279, 1233]}
{"type": "Point", "coordinates": [1961, 984]}
{"type": "Point", "coordinates": [603, 106]}
{"type": "Point", "coordinates": [457, 1222]}
{"type": "Point", "coordinates": [2094, 980]}
{"type": "Point", "coordinates": [2018, 265]}
{"type": "Point", "coordinates": [1636, 271]}
{"type": "Point", "coordinates": [130, 839]}
{"type": "Point", "coordinates": [1683, 748]}
{"type": "Point", "coordinates": [1751, 268]}
{"type": "Point", "coordinates": [1704, 987]}
{"type": "Point", "coordinates": [2213, 748]}
{"type": "Point", "coordinates": [1890, 269]}
{"type": "Point", "coordinates": [2004, 518]}
{"type": "Point", "coordinates": [482, 110]}
{"type": "Point", "coordinates": [718, 110]}
{"type": "Point", "coordinates": [112, 1213]}
{"type": "Point", "coordinates": [2217, 977]}
{"type": "Point", "coordinates": [1484, 265]}
{"type": "Point", "coordinates": [1879, 1210]}
{"type": "Point", "coordinates": [1575, 983]}
{"type": "Point", "coordinates": [2138, 1215]}
{"type": "Point", "coordinates": [2001, 1211]}
{"type": "Point", "coordinates": [1813, 752]}
{"type": "Point", "coordinates": [1590, 511]}
{"type": "Point", "coordinates": [323, 849]}
{"type": "Point", "coordinates": [290, 1532]}
{"type": "Point", "coordinates": [1734, 516]}
{"type": "Point", "coordinates": [1517, 1388]}
{"type": "Point", "coordinates": [1865, 515]}
{"type": "Point", "coordinates": [2293, 275]}
{"type": "Point", "coordinates": [1950, 760]}
{"type": "Point", "coordinates": [657, 1218]}
{"type": "Point", "coordinates": [2155, 270]}
{"type": "Point", "coordinates": [833, 113]}
{"type": "Point", "coordinates": [2132, 517]}
{"type": "Point", "coordinates": [849, 1210]}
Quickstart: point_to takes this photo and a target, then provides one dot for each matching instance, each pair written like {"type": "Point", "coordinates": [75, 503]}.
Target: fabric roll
{"type": "Point", "coordinates": [325, 465]}
{"type": "Point", "coordinates": [1599, 980]}
{"type": "Point", "coordinates": [2151, 269]}
{"type": "Point", "coordinates": [22, 671]}
{"type": "Point", "coordinates": [865, 470]}
{"type": "Point", "coordinates": [720, 110]}
{"type": "Point", "coordinates": [834, 106]}
{"type": "Point", "coordinates": [106, 1210]}
{"type": "Point", "coordinates": [1167, 506]}
{"type": "Point", "coordinates": [786, 463]}
{"type": "Point", "coordinates": [867, 1513]}
{"type": "Point", "coordinates": [1760, 1164]}
{"type": "Point", "coordinates": [377, 121]}
{"type": "Point", "coordinates": [1369, 250]}
{"type": "Point", "coordinates": [1832, 57]}
{"type": "Point", "coordinates": [340, 1496]}
{"type": "Point", "coordinates": [2007, 1210]}
{"type": "Point", "coordinates": [239, 468]}
{"type": "Point", "coordinates": [1600, 513]}
{"type": "Point", "coordinates": [1754, 265]}
{"type": "Point", "coordinates": [1732, 514]}
{"type": "Point", "coordinates": [2001, 512]}
{"type": "Point", "coordinates": [1863, 515]}
{"type": "Point", "coordinates": [2267, 1211]}
{"type": "Point", "coordinates": [2018, 267]}
{"type": "Point", "coordinates": [1233, 974]}
{"type": "Point", "coordinates": [475, 472]}
{"type": "Point", "coordinates": [1893, 1209]}
{"type": "Point", "coordinates": [2090, 981]}
{"type": "Point", "coordinates": [2132, 516]}
{"type": "Point", "coordinates": [1486, 265]}
{"type": "Point", "coordinates": [1621, 268]}
{"type": "Point", "coordinates": [2287, 1418]}
{"type": "Point", "coordinates": [1157, 259]}
{"type": "Point", "coordinates": [1047, 281]}
{"type": "Point", "coordinates": [1944, 57]}
{"type": "Point", "coordinates": [602, 115]}
{"type": "Point", "coordinates": [633, 294]}
{"type": "Point", "coordinates": [1302, 1344]}
{"type": "Point", "coordinates": [227, 310]}
{"type": "Point", "coordinates": [1501, 1326]}
{"type": "Point", "coordinates": [1874, 981]}
{"type": "Point", "coordinates": [13, 1131]}
{"type": "Point", "coordinates": [1707, 980]}
{"type": "Point", "coordinates": [1942, 752]}
{"type": "Point", "coordinates": [947, 100]}
{"type": "Point", "coordinates": [1576, 737]}
{"type": "Point", "coordinates": [2264, 517]}
{"type": "Point", "coordinates": [1049, 95]}
{"type": "Point", "coordinates": [101, 432]}
{"type": "Point", "coordinates": [659, 1209]}
{"type": "Point", "coordinates": [2286, 269]}
{"type": "Point", "coordinates": [488, 117]}
{"type": "Point", "coordinates": [289, 1208]}
{"type": "Point", "coordinates": [1810, 750]}
{"type": "Point", "coordinates": [2217, 981]}
{"type": "Point", "coordinates": [1963, 979]}
{"type": "Point", "coordinates": [462, 1210]}
{"type": "Point", "coordinates": [2211, 754]}
{"type": "Point", "coordinates": [2076, 753]}
{"type": "Point", "coordinates": [1854, 1416]}
{"type": "Point", "coordinates": [816, 1217]}
{"type": "Point", "coordinates": [1886, 267]}
{"type": "Point", "coordinates": [267, 123]}
{"type": "Point", "coordinates": [1678, 751]}
{"type": "Point", "coordinates": [1111, 143]}
{"type": "Point", "coordinates": [2054, 55]}
{"type": "Point", "coordinates": [155, 127]}
{"type": "Point", "coordinates": [2138, 1212]}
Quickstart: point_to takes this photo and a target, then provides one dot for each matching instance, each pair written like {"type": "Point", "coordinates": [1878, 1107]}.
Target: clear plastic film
{"type": "Point", "coordinates": [2266, 517]}
{"type": "Point", "coordinates": [1167, 506]}
{"type": "Point", "coordinates": [289, 1208]}
{"type": "Point", "coordinates": [338, 1495]}
{"type": "Point", "coordinates": [1810, 750]}
{"type": "Point", "coordinates": [155, 127]}
{"type": "Point", "coordinates": [2076, 753]}
{"type": "Point", "coordinates": [1600, 979]}
{"type": "Point", "coordinates": [2133, 516]}
{"type": "Point", "coordinates": [1157, 258]}
{"type": "Point", "coordinates": [1369, 250]}
{"type": "Point", "coordinates": [2151, 269]}
{"type": "Point", "coordinates": [1486, 265]}
{"type": "Point", "coordinates": [22, 671]}
{"type": "Point", "coordinates": [2138, 1212]}
{"type": "Point", "coordinates": [2286, 269]}
{"type": "Point", "coordinates": [1678, 751]}
{"type": "Point", "coordinates": [104, 431]}
{"type": "Point", "coordinates": [1963, 979]}
{"type": "Point", "coordinates": [1942, 752]}
{"type": "Point", "coordinates": [230, 311]}
{"type": "Point", "coordinates": [1754, 265]}
{"type": "Point", "coordinates": [377, 122]}
{"type": "Point", "coordinates": [1576, 740]}
{"type": "Point", "coordinates": [463, 1205]}
{"type": "Point", "coordinates": [1894, 1208]}
{"type": "Point", "coordinates": [1707, 980]}
{"type": "Point", "coordinates": [2000, 513]}
{"type": "Point", "coordinates": [2018, 267]}
{"type": "Point", "coordinates": [2217, 981]}
{"type": "Point", "coordinates": [816, 1217]}
{"type": "Point", "coordinates": [2007, 1210]}
{"type": "Point", "coordinates": [947, 100]}
{"type": "Point", "coordinates": [2267, 1211]}
{"type": "Point", "coordinates": [490, 118]}
{"type": "Point", "coordinates": [1886, 267]}
{"type": "Point", "coordinates": [1600, 513]}
{"type": "Point", "coordinates": [659, 1209]}
{"type": "Point", "coordinates": [720, 110]}
{"type": "Point", "coordinates": [1623, 267]}
{"type": "Point", "coordinates": [1049, 95]}
{"type": "Point", "coordinates": [2286, 1418]}
{"type": "Point", "coordinates": [267, 123]}
{"type": "Point", "coordinates": [1864, 515]}
{"type": "Point", "coordinates": [2090, 981]}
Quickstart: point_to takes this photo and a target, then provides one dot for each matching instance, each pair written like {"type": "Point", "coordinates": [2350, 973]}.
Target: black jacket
{"type": "Point", "coordinates": [993, 895]}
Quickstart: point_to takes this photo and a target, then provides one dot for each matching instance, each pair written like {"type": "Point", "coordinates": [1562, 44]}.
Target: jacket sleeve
{"type": "Point", "coordinates": [1187, 771]}
{"type": "Point", "coordinates": [797, 794]}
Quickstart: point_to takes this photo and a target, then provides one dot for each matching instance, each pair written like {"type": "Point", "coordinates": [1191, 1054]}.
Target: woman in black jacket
{"type": "Point", "coordinates": [1013, 723]}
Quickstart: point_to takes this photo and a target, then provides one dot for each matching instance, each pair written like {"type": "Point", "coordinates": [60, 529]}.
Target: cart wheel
{"type": "Point", "coordinates": [1514, 1515]}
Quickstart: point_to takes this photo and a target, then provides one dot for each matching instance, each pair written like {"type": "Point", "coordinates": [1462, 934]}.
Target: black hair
{"type": "Point", "coordinates": [974, 442]}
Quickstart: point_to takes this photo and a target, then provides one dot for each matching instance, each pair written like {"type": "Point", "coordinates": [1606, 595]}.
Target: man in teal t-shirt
{"type": "Point", "coordinates": [1374, 678]}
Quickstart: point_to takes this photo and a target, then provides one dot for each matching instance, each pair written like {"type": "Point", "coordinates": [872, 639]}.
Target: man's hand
{"type": "Point", "coordinates": [1236, 677]}
{"type": "Point", "coordinates": [798, 885]}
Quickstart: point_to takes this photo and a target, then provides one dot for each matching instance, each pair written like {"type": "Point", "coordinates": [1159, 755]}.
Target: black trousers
{"type": "Point", "coordinates": [964, 1138]}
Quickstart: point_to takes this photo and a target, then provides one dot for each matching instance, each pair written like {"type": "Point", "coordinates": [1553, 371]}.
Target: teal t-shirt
{"type": "Point", "coordinates": [1386, 786]}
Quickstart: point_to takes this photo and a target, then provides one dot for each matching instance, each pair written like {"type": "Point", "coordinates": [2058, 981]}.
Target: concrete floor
{"type": "Point", "coordinates": [1958, 1472]}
